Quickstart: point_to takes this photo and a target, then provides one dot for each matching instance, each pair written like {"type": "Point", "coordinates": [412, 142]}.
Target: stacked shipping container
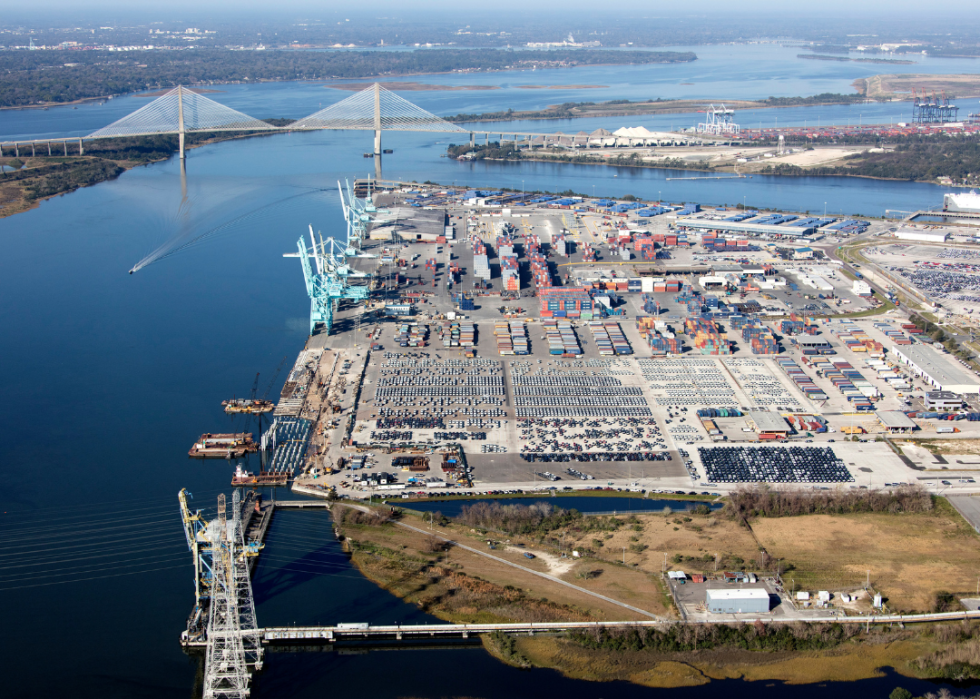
{"type": "Point", "coordinates": [566, 302]}
{"type": "Point", "coordinates": [561, 338]}
{"type": "Point", "coordinates": [802, 381]}
{"type": "Point", "coordinates": [706, 337]}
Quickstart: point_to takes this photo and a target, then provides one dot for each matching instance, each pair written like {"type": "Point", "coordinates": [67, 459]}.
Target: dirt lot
{"type": "Point", "coordinates": [879, 86]}
{"type": "Point", "coordinates": [910, 556]}
{"type": "Point", "coordinates": [950, 446]}
{"type": "Point", "coordinates": [704, 538]}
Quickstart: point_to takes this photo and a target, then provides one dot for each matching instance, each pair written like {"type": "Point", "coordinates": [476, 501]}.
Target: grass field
{"type": "Point", "coordinates": [706, 538]}
{"type": "Point", "coordinates": [856, 659]}
{"type": "Point", "coordinates": [910, 556]}
{"type": "Point", "coordinates": [462, 586]}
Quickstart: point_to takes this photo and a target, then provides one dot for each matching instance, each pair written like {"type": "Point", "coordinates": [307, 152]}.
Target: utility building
{"type": "Point", "coordinates": [745, 601]}
{"type": "Point", "coordinates": [937, 369]}
{"type": "Point", "coordinates": [943, 401]}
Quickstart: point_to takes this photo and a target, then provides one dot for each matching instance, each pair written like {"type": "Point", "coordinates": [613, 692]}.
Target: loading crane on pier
{"type": "Point", "coordinates": [224, 610]}
{"type": "Point", "coordinates": [358, 213]}
{"type": "Point", "coordinates": [333, 279]}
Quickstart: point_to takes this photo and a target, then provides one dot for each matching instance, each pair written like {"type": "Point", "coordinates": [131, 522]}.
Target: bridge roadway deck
{"type": "Point", "coordinates": [302, 504]}
{"type": "Point", "coordinates": [314, 634]}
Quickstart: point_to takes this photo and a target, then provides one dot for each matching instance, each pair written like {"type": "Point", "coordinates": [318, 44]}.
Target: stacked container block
{"type": "Point", "coordinates": [561, 337]}
{"type": "Point", "coordinates": [802, 381]}
{"type": "Point", "coordinates": [706, 337]}
{"type": "Point", "coordinates": [566, 302]}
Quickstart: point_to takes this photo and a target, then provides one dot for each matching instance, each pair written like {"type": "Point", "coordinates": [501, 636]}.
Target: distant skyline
{"type": "Point", "coordinates": [225, 9]}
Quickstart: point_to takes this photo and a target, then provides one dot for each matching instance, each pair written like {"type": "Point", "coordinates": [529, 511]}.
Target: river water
{"type": "Point", "coordinates": [107, 378]}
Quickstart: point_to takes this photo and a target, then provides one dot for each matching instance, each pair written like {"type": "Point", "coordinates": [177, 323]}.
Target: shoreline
{"type": "Point", "coordinates": [373, 78]}
{"type": "Point", "coordinates": [725, 169]}
{"type": "Point", "coordinates": [862, 657]}
{"type": "Point", "coordinates": [22, 205]}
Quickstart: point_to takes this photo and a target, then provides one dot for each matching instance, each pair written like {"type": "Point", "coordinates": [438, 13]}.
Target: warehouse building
{"type": "Point", "coordinates": [895, 421]}
{"type": "Point", "coordinates": [769, 423]}
{"type": "Point", "coordinates": [812, 343]}
{"type": "Point", "coordinates": [921, 235]}
{"type": "Point", "coordinates": [744, 227]}
{"type": "Point", "coordinates": [937, 369]}
{"type": "Point", "coordinates": [745, 601]}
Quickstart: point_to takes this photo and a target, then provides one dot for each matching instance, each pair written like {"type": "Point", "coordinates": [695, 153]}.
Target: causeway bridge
{"type": "Point", "coordinates": [275, 635]}
{"type": "Point", "coordinates": [181, 111]}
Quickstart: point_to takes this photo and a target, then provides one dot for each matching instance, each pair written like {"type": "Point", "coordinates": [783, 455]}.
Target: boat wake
{"type": "Point", "coordinates": [192, 230]}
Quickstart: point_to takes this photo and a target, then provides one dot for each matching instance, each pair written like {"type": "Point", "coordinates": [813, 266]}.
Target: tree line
{"type": "Point", "coordinates": [38, 77]}
{"type": "Point", "coordinates": [760, 501]}
{"type": "Point", "coordinates": [570, 110]}
{"type": "Point", "coordinates": [537, 518]}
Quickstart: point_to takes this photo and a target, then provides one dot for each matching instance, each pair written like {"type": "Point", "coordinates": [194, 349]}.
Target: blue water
{"type": "Point", "coordinates": [584, 504]}
{"type": "Point", "coordinates": [721, 72]}
{"type": "Point", "coordinates": [107, 378]}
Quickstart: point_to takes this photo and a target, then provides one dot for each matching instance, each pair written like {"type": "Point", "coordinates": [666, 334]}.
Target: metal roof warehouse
{"type": "Point", "coordinates": [769, 422]}
{"type": "Point", "coordinates": [746, 227]}
{"type": "Point", "coordinates": [895, 421]}
{"type": "Point", "coordinates": [937, 369]}
{"type": "Point", "coordinates": [745, 600]}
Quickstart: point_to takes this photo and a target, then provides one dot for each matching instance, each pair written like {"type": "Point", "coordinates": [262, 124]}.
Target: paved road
{"type": "Point", "coordinates": [967, 506]}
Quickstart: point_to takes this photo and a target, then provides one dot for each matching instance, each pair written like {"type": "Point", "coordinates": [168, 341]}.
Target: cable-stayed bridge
{"type": "Point", "coordinates": [182, 111]}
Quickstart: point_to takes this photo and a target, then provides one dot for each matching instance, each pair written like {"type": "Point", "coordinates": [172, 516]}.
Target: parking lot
{"type": "Point", "coordinates": [630, 420]}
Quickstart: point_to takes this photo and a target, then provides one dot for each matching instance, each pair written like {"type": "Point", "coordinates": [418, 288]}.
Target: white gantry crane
{"type": "Point", "coordinates": [223, 585]}
{"type": "Point", "coordinates": [719, 122]}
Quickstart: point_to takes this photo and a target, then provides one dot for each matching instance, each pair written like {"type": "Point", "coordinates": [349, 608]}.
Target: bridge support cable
{"type": "Point", "coordinates": [375, 109]}
{"type": "Point", "coordinates": [181, 111]}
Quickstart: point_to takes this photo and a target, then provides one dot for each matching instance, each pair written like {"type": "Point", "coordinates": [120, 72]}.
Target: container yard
{"type": "Point", "coordinates": [530, 337]}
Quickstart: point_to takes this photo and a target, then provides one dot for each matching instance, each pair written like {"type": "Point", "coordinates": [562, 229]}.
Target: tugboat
{"type": "Point", "coordinates": [253, 406]}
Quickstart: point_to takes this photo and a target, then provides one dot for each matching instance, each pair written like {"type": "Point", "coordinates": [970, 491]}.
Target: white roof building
{"type": "Point", "coordinates": [921, 235]}
{"type": "Point", "coordinates": [937, 369]}
{"type": "Point", "coordinates": [745, 600]}
{"type": "Point", "coordinates": [861, 288]}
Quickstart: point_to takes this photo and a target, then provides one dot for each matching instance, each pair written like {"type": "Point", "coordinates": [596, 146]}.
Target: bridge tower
{"type": "Point", "coordinates": [180, 119]}
{"type": "Point", "coordinates": [377, 131]}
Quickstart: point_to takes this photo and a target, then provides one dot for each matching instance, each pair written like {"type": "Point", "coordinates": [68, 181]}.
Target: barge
{"type": "Point", "coordinates": [223, 446]}
{"type": "Point", "coordinates": [254, 406]}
